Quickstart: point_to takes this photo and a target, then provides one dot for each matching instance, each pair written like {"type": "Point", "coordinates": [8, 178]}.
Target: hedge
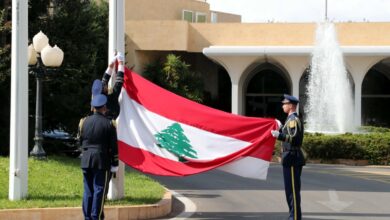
{"type": "Point", "coordinates": [373, 144]}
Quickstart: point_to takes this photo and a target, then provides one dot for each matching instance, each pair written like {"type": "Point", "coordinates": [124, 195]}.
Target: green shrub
{"type": "Point", "coordinates": [374, 146]}
{"type": "Point", "coordinates": [175, 75]}
{"type": "Point", "coordinates": [374, 129]}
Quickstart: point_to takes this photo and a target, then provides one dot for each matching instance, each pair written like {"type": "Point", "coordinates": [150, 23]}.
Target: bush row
{"type": "Point", "coordinates": [373, 145]}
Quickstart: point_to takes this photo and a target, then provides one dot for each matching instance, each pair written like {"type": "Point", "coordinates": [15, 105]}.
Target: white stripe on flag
{"type": "Point", "coordinates": [250, 167]}
{"type": "Point", "coordinates": [137, 127]}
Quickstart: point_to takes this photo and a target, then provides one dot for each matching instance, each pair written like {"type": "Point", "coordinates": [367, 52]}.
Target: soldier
{"type": "Point", "coordinates": [99, 157]}
{"type": "Point", "coordinates": [291, 135]}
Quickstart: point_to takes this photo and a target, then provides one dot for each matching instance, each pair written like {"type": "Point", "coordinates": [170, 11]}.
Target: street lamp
{"type": "Point", "coordinates": [41, 56]}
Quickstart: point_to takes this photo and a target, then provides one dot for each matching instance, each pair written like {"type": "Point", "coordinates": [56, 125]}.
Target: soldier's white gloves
{"type": "Point", "coordinates": [279, 123]}
{"type": "Point", "coordinates": [114, 169]}
{"type": "Point", "coordinates": [120, 57]}
{"type": "Point", "coordinates": [111, 65]}
{"type": "Point", "coordinates": [113, 60]}
{"type": "Point", "coordinates": [275, 133]}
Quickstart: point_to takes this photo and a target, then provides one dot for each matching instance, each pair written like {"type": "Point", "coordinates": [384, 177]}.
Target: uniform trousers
{"type": "Point", "coordinates": [95, 185]}
{"type": "Point", "coordinates": [292, 186]}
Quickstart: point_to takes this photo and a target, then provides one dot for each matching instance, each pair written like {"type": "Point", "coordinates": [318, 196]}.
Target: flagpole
{"type": "Point", "coordinates": [116, 43]}
{"type": "Point", "coordinates": [326, 10]}
{"type": "Point", "coordinates": [19, 103]}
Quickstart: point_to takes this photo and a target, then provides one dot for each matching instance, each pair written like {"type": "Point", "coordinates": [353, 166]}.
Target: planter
{"type": "Point", "coordinates": [159, 209]}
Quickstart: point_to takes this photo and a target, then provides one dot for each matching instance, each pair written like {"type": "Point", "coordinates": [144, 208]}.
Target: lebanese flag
{"type": "Point", "coordinates": [164, 134]}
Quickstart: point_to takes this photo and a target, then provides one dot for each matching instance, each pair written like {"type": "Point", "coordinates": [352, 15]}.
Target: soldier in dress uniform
{"type": "Point", "coordinates": [291, 135]}
{"type": "Point", "coordinates": [99, 157]}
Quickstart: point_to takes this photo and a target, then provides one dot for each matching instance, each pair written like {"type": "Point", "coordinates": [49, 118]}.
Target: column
{"type": "Point", "coordinates": [236, 95]}
{"type": "Point", "coordinates": [295, 87]}
{"type": "Point", "coordinates": [236, 66]}
{"type": "Point", "coordinates": [358, 101]}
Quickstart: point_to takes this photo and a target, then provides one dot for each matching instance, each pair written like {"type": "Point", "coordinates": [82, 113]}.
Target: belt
{"type": "Point", "coordinates": [92, 147]}
{"type": "Point", "coordinates": [291, 148]}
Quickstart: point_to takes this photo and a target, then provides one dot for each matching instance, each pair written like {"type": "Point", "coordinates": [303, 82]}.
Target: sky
{"type": "Point", "coordinates": [305, 10]}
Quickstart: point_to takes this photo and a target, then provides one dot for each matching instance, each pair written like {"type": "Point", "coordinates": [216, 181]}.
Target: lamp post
{"type": "Point", "coordinates": [41, 56]}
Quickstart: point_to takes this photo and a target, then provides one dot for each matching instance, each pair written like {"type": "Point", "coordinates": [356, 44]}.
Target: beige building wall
{"type": "Point", "coordinates": [193, 37]}
{"type": "Point", "coordinates": [137, 10]}
{"type": "Point", "coordinates": [226, 17]}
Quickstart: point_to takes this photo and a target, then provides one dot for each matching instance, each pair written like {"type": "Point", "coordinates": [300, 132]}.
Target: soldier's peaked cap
{"type": "Point", "coordinates": [99, 100]}
{"type": "Point", "coordinates": [290, 99]}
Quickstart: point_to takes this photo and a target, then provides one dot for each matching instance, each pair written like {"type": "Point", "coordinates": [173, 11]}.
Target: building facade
{"type": "Point", "coordinates": [247, 66]}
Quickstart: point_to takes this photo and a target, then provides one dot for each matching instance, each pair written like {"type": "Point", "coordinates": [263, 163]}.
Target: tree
{"type": "Point", "coordinates": [5, 79]}
{"type": "Point", "coordinates": [175, 75]}
{"type": "Point", "coordinates": [175, 141]}
{"type": "Point", "coordinates": [80, 29]}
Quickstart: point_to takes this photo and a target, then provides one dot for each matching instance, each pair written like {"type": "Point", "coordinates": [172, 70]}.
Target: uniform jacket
{"type": "Point", "coordinates": [291, 135]}
{"type": "Point", "coordinates": [98, 143]}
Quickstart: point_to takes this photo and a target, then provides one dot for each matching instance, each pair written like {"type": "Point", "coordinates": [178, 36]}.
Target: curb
{"type": "Point", "coordinates": [160, 209]}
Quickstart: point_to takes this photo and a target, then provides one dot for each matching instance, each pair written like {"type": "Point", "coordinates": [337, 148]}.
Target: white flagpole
{"type": "Point", "coordinates": [116, 42]}
{"type": "Point", "coordinates": [112, 37]}
{"type": "Point", "coordinates": [19, 102]}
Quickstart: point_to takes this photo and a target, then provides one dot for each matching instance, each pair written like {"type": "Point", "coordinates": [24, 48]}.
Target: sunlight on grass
{"type": "Point", "coordinates": [58, 182]}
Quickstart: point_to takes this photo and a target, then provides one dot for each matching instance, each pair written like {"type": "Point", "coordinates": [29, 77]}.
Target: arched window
{"type": "Point", "coordinates": [376, 95]}
{"type": "Point", "coordinates": [266, 84]}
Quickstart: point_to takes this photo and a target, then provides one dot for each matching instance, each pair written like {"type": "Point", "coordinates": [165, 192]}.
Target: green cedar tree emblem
{"type": "Point", "coordinates": [175, 141]}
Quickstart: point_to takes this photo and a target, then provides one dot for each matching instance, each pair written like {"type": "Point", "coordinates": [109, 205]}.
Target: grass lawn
{"type": "Point", "coordinates": [58, 182]}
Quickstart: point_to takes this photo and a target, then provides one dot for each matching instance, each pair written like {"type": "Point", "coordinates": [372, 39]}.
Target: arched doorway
{"type": "Point", "coordinates": [224, 90]}
{"type": "Point", "coordinates": [264, 88]}
{"type": "Point", "coordinates": [376, 95]}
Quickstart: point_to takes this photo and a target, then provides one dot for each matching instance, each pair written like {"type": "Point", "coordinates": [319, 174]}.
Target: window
{"type": "Point", "coordinates": [200, 17]}
{"type": "Point", "coordinates": [214, 17]}
{"type": "Point", "coordinates": [188, 16]}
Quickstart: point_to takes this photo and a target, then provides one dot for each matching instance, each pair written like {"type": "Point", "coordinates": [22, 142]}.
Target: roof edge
{"type": "Point", "coordinates": [291, 50]}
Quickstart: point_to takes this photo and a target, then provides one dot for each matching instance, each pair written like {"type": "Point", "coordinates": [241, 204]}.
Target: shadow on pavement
{"type": "Point", "coordinates": [204, 196]}
{"type": "Point", "coordinates": [177, 208]}
{"type": "Point", "coordinates": [316, 178]}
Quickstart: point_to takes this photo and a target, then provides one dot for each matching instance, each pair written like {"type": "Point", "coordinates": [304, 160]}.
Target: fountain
{"type": "Point", "coordinates": [329, 106]}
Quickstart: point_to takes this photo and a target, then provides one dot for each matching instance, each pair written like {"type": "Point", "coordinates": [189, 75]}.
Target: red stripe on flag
{"type": "Point", "coordinates": [148, 162]}
{"type": "Point", "coordinates": [174, 107]}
